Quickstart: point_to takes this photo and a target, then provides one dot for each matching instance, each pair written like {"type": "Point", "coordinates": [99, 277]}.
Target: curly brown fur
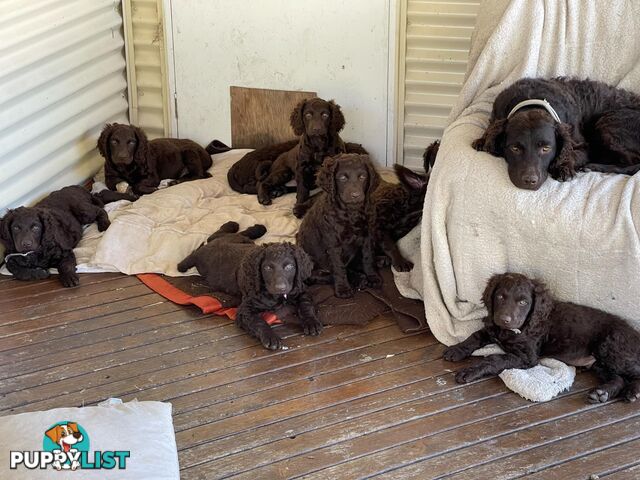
{"type": "Point", "coordinates": [318, 122]}
{"type": "Point", "coordinates": [397, 209]}
{"type": "Point", "coordinates": [266, 276]}
{"type": "Point", "coordinates": [534, 145]}
{"type": "Point", "coordinates": [336, 231]}
{"type": "Point", "coordinates": [43, 236]}
{"type": "Point", "coordinates": [430, 154]}
{"type": "Point", "coordinates": [528, 323]}
{"type": "Point", "coordinates": [141, 164]}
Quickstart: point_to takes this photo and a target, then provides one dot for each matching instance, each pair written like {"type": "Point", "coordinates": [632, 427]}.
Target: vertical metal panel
{"type": "Point", "coordinates": [62, 77]}
{"type": "Point", "coordinates": [148, 92]}
{"type": "Point", "coordinates": [436, 49]}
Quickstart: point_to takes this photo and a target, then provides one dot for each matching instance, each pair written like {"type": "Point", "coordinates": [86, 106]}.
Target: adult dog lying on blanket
{"type": "Point", "coordinates": [133, 163]}
{"type": "Point", "coordinates": [318, 122]}
{"type": "Point", "coordinates": [527, 322]}
{"type": "Point", "coordinates": [43, 236]}
{"type": "Point", "coordinates": [595, 122]}
{"type": "Point", "coordinates": [266, 277]}
{"type": "Point", "coordinates": [336, 231]}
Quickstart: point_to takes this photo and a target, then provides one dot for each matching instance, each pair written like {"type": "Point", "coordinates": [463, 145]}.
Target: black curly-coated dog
{"type": "Point", "coordinates": [337, 231]}
{"type": "Point", "coordinates": [528, 323]}
{"type": "Point", "coordinates": [43, 236]}
{"type": "Point", "coordinates": [596, 123]}
{"type": "Point", "coordinates": [134, 163]}
{"type": "Point", "coordinates": [266, 276]}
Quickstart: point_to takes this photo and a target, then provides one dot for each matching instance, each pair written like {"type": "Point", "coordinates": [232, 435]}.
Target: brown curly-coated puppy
{"type": "Point", "coordinates": [133, 163]}
{"type": "Point", "coordinates": [43, 236]}
{"type": "Point", "coordinates": [266, 276]}
{"type": "Point", "coordinates": [534, 144]}
{"type": "Point", "coordinates": [397, 209]}
{"type": "Point", "coordinates": [318, 122]}
{"type": "Point", "coordinates": [528, 323]}
{"type": "Point", "coordinates": [336, 231]}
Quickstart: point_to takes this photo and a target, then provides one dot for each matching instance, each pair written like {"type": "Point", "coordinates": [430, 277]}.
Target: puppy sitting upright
{"type": "Point", "coordinates": [336, 231]}
{"type": "Point", "coordinates": [528, 323]}
{"type": "Point", "coordinates": [132, 162]}
{"type": "Point", "coordinates": [266, 276]}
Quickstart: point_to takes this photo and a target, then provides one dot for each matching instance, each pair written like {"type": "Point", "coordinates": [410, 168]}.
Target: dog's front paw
{"type": "Point", "coordinates": [454, 354]}
{"type": "Point", "coordinates": [69, 279]}
{"type": "Point", "coordinates": [374, 281]}
{"type": "Point", "coordinates": [343, 291]}
{"type": "Point", "coordinates": [270, 340]}
{"type": "Point", "coordinates": [403, 265]}
{"type": "Point", "coordinates": [103, 224]}
{"type": "Point", "coordinates": [469, 374]}
{"type": "Point", "coordinates": [299, 210]}
{"type": "Point", "coordinates": [40, 273]}
{"type": "Point", "coordinates": [264, 199]}
{"type": "Point", "coordinates": [311, 326]}
{"type": "Point", "coordinates": [563, 173]}
{"type": "Point", "coordinates": [598, 395]}
{"type": "Point", "coordinates": [478, 144]}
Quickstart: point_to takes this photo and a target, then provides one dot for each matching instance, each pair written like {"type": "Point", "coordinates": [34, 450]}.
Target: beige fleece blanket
{"type": "Point", "coordinates": [154, 233]}
{"type": "Point", "coordinates": [581, 237]}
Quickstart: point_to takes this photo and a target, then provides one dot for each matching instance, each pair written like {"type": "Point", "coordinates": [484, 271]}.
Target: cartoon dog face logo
{"type": "Point", "coordinates": [66, 435]}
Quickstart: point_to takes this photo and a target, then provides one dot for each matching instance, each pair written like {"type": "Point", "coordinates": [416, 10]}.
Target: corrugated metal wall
{"type": "Point", "coordinates": [62, 76]}
{"type": "Point", "coordinates": [147, 66]}
{"type": "Point", "coordinates": [434, 47]}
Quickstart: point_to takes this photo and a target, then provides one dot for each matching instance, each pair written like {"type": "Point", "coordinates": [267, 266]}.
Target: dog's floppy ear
{"type": "Point", "coordinates": [5, 231]}
{"type": "Point", "coordinates": [410, 179]}
{"type": "Point", "coordinates": [141, 156]}
{"type": "Point", "coordinates": [103, 140]}
{"type": "Point", "coordinates": [54, 433]}
{"type": "Point", "coordinates": [304, 266]}
{"type": "Point", "coordinates": [297, 118]}
{"type": "Point", "coordinates": [493, 139]}
{"type": "Point", "coordinates": [326, 176]}
{"type": "Point", "coordinates": [337, 118]}
{"type": "Point", "coordinates": [374, 176]}
{"type": "Point", "coordinates": [487, 295]}
{"type": "Point", "coordinates": [542, 305]}
{"type": "Point", "coordinates": [563, 167]}
{"type": "Point", "coordinates": [250, 273]}
{"type": "Point", "coordinates": [57, 229]}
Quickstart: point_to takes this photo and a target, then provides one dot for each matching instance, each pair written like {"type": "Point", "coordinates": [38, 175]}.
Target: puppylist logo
{"type": "Point", "coordinates": [66, 447]}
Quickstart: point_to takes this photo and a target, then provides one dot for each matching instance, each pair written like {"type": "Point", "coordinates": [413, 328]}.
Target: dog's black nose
{"type": "Point", "coordinates": [356, 194]}
{"type": "Point", "coordinates": [530, 179]}
{"type": "Point", "coordinates": [506, 319]}
{"type": "Point", "coordinates": [27, 244]}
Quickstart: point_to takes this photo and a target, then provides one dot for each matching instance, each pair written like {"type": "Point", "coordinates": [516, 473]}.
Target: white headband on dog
{"type": "Point", "coordinates": [540, 103]}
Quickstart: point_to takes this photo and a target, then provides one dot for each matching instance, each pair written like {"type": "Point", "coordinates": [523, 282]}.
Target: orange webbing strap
{"type": "Point", "coordinates": [206, 303]}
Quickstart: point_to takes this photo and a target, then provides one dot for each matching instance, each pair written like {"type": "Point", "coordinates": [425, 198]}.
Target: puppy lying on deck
{"type": "Point", "coordinates": [265, 276]}
{"type": "Point", "coordinates": [43, 236]}
{"type": "Point", "coordinates": [528, 324]}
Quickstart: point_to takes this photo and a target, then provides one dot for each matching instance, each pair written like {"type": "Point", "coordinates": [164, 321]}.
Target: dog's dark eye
{"type": "Point", "coordinates": [499, 297]}
{"type": "Point", "coordinates": [289, 266]}
{"type": "Point", "coordinates": [545, 149]}
{"type": "Point", "coordinates": [343, 178]}
{"type": "Point", "coordinates": [268, 267]}
{"type": "Point", "coordinates": [325, 115]}
{"type": "Point", "coordinates": [15, 228]}
{"type": "Point", "coordinates": [362, 177]}
{"type": "Point", "coordinates": [523, 302]}
{"type": "Point", "coordinates": [515, 148]}
{"type": "Point", "coordinates": [308, 115]}
{"type": "Point", "coordinates": [114, 141]}
{"type": "Point", "coordinates": [35, 227]}
{"type": "Point", "coordinates": [132, 142]}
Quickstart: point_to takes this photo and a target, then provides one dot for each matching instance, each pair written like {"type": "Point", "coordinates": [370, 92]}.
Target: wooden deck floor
{"type": "Point", "coordinates": [352, 403]}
